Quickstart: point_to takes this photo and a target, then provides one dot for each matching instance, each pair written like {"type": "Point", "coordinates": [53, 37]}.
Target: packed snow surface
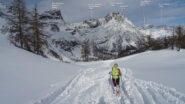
{"type": "Point", "coordinates": [164, 66]}
{"type": "Point", "coordinates": [94, 86]}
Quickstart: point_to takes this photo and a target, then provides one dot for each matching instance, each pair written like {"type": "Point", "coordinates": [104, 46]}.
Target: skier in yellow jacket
{"type": "Point", "coordinates": [116, 74]}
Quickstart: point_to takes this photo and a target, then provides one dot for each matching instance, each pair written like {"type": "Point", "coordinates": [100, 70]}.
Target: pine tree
{"type": "Point", "coordinates": [94, 49]}
{"type": "Point", "coordinates": [150, 41]}
{"type": "Point", "coordinates": [172, 39]}
{"type": "Point", "coordinates": [18, 23]}
{"type": "Point", "coordinates": [166, 42]}
{"type": "Point", "coordinates": [183, 38]}
{"type": "Point", "coordinates": [38, 38]}
{"type": "Point", "coordinates": [85, 50]}
{"type": "Point", "coordinates": [179, 41]}
{"type": "Point", "coordinates": [154, 44]}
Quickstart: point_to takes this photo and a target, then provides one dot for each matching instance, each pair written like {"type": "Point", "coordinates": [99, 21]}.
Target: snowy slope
{"type": "Point", "coordinates": [25, 77]}
{"type": "Point", "coordinates": [94, 86]}
{"type": "Point", "coordinates": [164, 66]}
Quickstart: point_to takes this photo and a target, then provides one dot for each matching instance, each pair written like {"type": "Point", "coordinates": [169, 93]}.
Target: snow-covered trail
{"type": "Point", "coordinates": [94, 86]}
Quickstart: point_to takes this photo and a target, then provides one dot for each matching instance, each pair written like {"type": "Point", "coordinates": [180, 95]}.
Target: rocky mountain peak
{"type": "Point", "coordinates": [3, 9]}
{"type": "Point", "coordinates": [92, 23]}
{"type": "Point", "coordinates": [116, 16]}
{"type": "Point", "coordinates": [52, 14]}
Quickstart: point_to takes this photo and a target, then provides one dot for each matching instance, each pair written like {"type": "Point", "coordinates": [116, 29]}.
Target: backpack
{"type": "Point", "coordinates": [120, 73]}
{"type": "Point", "coordinates": [116, 72]}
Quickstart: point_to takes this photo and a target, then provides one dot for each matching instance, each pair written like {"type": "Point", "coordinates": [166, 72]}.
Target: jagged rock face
{"type": "Point", "coordinates": [52, 14]}
{"type": "Point", "coordinates": [65, 44]}
{"type": "Point", "coordinates": [1, 14]}
{"type": "Point", "coordinates": [110, 36]}
{"type": "Point", "coordinates": [55, 28]}
{"type": "Point", "coordinates": [3, 10]}
{"type": "Point", "coordinates": [92, 23]}
{"type": "Point", "coordinates": [117, 34]}
{"type": "Point", "coordinates": [116, 16]}
{"type": "Point", "coordinates": [52, 20]}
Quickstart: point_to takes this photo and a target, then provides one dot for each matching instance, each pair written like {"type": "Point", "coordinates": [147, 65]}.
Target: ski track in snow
{"type": "Point", "coordinates": [94, 86]}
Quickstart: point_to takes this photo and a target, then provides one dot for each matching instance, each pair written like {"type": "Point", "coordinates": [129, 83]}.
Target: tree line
{"type": "Point", "coordinates": [174, 41]}
{"type": "Point", "coordinates": [25, 28]}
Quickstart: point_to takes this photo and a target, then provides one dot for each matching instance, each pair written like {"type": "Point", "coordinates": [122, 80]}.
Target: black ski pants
{"type": "Point", "coordinates": [115, 81]}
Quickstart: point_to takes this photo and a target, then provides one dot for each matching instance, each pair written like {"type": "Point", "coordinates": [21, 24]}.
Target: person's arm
{"type": "Point", "coordinates": [112, 71]}
{"type": "Point", "coordinates": [120, 73]}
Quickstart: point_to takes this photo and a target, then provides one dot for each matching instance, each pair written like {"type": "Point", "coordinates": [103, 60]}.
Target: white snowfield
{"type": "Point", "coordinates": [94, 86]}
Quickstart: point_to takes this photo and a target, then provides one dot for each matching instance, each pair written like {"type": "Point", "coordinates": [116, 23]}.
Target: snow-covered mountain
{"type": "Point", "coordinates": [108, 37]}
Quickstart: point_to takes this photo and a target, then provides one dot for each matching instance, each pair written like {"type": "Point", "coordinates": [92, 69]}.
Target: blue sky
{"type": "Point", "coordinates": [77, 10]}
{"type": "Point", "coordinates": [28, 1]}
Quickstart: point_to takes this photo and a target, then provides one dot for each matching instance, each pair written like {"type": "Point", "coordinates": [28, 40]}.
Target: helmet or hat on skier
{"type": "Point", "coordinates": [116, 65]}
